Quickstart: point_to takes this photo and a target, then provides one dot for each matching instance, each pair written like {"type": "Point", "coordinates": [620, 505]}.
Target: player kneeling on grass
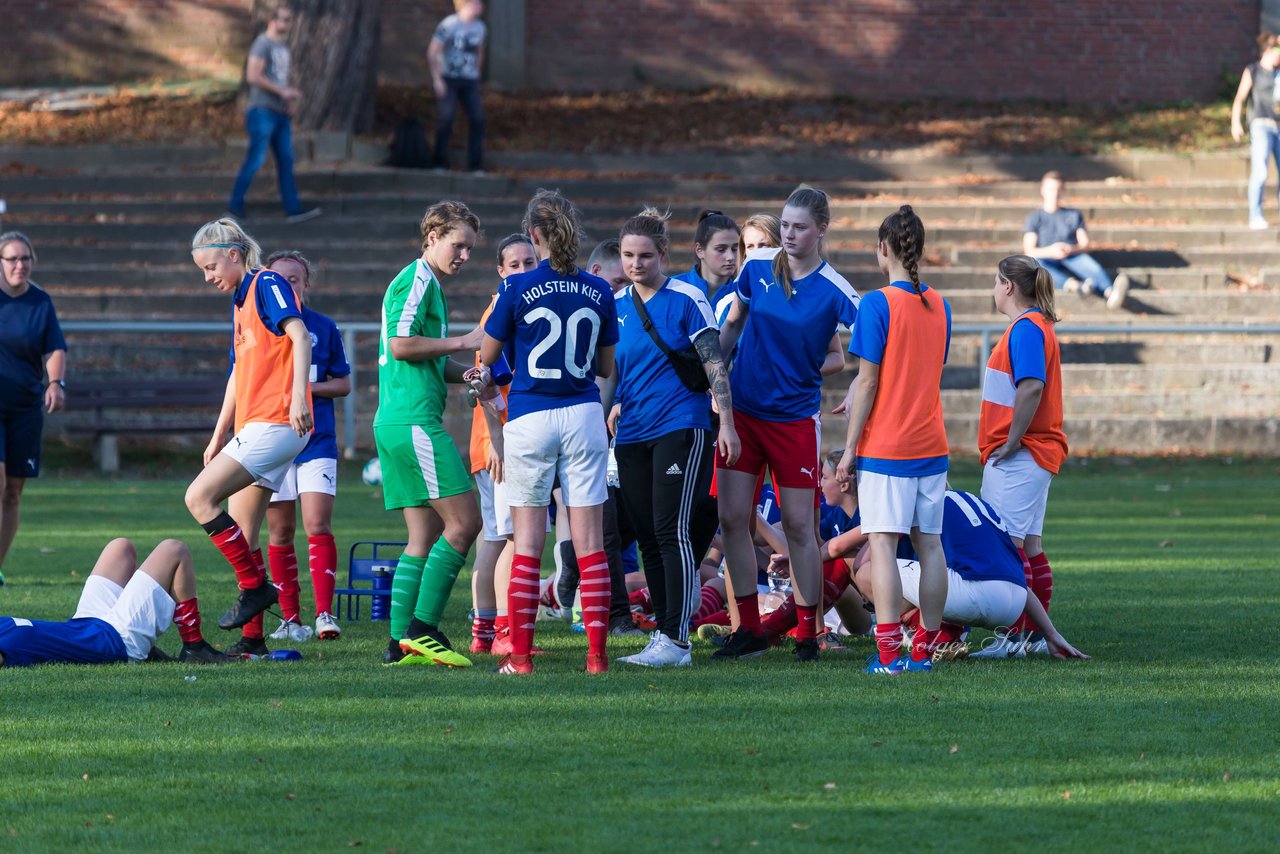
{"type": "Point", "coordinates": [123, 609]}
{"type": "Point", "coordinates": [985, 583]}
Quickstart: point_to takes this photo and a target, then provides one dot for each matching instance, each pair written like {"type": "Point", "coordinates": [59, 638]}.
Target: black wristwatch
{"type": "Point", "coordinates": [60, 383]}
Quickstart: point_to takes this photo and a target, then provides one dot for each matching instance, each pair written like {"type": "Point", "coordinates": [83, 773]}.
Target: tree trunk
{"type": "Point", "coordinates": [334, 50]}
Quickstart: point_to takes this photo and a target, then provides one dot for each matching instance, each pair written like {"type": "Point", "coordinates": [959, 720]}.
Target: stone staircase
{"type": "Point", "coordinates": [113, 245]}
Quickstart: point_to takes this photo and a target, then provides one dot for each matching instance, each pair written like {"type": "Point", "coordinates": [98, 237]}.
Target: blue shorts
{"type": "Point", "coordinates": [20, 441]}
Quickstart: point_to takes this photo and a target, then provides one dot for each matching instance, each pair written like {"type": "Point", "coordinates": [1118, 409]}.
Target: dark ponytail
{"type": "Point", "coordinates": [709, 222]}
{"type": "Point", "coordinates": [903, 234]}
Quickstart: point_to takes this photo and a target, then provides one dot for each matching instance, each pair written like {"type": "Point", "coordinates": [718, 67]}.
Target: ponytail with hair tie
{"type": "Point", "coordinates": [903, 233]}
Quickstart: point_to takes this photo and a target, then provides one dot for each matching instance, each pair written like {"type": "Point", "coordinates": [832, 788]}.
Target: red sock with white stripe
{"type": "Point", "coordinates": [233, 544]}
{"type": "Point", "coordinates": [888, 641]}
{"type": "Point", "coordinates": [641, 598]}
{"type": "Point", "coordinates": [1024, 623]}
{"type": "Point", "coordinates": [712, 601]}
{"type": "Point", "coordinates": [284, 575]}
{"type": "Point", "coordinates": [594, 585]}
{"type": "Point", "coordinates": [522, 601]}
{"type": "Point", "coordinates": [806, 625]}
{"type": "Point", "coordinates": [322, 560]}
{"type": "Point", "coordinates": [1041, 579]}
{"type": "Point", "coordinates": [482, 624]}
{"type": "Point", "coordinates": [186, 615]}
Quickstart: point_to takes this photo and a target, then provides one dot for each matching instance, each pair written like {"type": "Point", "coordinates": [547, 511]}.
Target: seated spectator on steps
{"type": "Point", "coordinates": [1056, 237]}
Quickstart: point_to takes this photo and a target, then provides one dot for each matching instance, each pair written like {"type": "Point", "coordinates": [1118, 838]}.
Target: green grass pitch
{"type": "Point", "coordinates": [1165, 572]}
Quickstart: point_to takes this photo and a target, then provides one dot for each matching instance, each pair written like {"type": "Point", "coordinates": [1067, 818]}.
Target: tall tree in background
{"type": "Point", "coordinates": [334, 48]}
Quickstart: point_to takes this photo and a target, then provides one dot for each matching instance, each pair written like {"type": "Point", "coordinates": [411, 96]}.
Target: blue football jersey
{"type": "Point", "coordinates": [83, 641]}
{"type": "Point", "coordinates": [777, 367]}
{"type": "Point", "coordinates": [975, 541]}
{"type": "Point", "coordinates": [328, 361]}
{"type": "Point", "coordinates": [555, 324]}
{"type": "Point", "coordinates": [653, 399]}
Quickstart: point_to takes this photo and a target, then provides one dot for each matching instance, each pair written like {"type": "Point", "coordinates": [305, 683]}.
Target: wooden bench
{"type": "Point", "coordinates": [175, 405]}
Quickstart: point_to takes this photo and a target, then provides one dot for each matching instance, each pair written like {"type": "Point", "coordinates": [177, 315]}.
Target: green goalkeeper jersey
{"type": "Point", "coordinates": [412, 392]}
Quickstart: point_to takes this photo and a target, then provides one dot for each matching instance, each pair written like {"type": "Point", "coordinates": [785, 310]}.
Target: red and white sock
{"type": "Point", "coordinates": [284, 575]}
{"type": "Point", "coordinates": [482, 625]}
{"type": "Point", "coordinates": [641, 598]}
{"type": "Point", "coordinates": [522, 601]}
{"type": "Point", "coordinates": [1042, 579]}
{"type": "Point", "coordinates": [1024, 623]}
{"type": "Point", "coordinates": [806, 622]}
{"type": "Point", "coordinates": [593, 570]}
{"type": "Point", "coordinates": [322, 560]}
{"type": "Point", "coordinates": [888, 641]}
{"type": "Point", "coordinates": [501, 623]}
{"type": "Point", "coordinates": [186, 615]}
{"type": "Point", "coordinates": [712, 601]}
{"type": "Point", "coordinates": [235, 548]}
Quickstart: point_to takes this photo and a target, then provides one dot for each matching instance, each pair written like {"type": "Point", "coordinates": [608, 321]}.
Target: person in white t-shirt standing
{"type": "Point", "coordinates": [456, 57]}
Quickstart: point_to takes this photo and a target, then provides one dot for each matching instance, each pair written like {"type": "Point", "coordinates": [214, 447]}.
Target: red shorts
{"type": "Point", "coordinates": [788, 448]}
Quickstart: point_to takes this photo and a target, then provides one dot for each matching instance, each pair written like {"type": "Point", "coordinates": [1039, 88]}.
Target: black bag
{"type": "Point", "coordinates": [684, 362]}
{"type": "Point", "coordinates": [409, 146]}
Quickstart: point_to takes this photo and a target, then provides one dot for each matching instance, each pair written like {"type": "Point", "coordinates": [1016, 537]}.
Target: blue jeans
{"type": "Point", "coordinates": [267, 128]}
{"type": "Point", "coordinates": [1264, 143]}
{"type": "Point", "coordinates": [458, 89]}
{"type": "Point", "coordinates": [1082, 267]}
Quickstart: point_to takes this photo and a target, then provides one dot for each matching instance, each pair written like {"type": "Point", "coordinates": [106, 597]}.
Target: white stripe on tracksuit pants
{"type": "Point", "coordinates": [664, 486]}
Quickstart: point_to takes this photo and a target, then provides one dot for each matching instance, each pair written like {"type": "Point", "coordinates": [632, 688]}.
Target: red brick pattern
{"type": "Point", "coordinates": [1076, 50]}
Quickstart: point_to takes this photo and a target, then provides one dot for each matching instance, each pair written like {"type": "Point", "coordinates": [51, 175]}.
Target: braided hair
{"type": "Point", "coordinates": [903, 233]}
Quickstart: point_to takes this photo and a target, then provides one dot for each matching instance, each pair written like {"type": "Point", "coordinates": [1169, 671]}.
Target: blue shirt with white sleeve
{"type": "Point", "coordinates": [777, 366]}
{"type": "Point", "coordinates": [974, 541]}
{"type": "Point", "coordinates": [555, 322]}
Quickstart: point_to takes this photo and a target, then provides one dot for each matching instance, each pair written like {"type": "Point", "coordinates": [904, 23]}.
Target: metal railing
{"type": "Point", "coordinates": [350, 329]}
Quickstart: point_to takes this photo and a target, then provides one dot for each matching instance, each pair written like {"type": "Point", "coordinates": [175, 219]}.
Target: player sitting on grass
{"type": "Point", "coordinates": [123, 609]}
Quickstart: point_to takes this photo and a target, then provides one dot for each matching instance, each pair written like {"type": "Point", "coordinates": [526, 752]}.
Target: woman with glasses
{"type": "Point", "coordinates": [31, 344]}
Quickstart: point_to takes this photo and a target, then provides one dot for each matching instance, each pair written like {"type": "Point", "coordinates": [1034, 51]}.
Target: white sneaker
{"type": "Point", "coordinates": [1119, 290]}
{"type": "Point", "coordinates": [327, 627]}
{"type": "Point", "coordinates": [1040, 647]}
{"type": "Point", "coordinates": [285, 632]}
{"type": "Point", "coordinates": [1002, 645]}
{"type": "Point", "coordinates": [653, 639]}
{"type": "Point", "coordinates": [1258, 224]}
{"type": "Point", "coordinates": [663, 652]}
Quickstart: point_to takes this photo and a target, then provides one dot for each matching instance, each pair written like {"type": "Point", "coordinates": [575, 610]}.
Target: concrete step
{"type": "Point", "coordinates": [1163, 403]}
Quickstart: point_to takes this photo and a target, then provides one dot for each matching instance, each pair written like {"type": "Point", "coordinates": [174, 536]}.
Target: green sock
{"type": "Point", "coordinates": [404, 592]}
{"type": "Point", "coordinates": [443, 565]}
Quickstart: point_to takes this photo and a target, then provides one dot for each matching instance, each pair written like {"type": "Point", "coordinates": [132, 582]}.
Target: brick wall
{"type": "Point", "coordinates": [1138, 50]}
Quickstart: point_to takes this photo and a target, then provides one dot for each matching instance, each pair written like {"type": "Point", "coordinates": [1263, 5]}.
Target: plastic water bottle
{"type": "Point", "coordinates": [284, 655]}
{"type": "Point", "coordinates": [380, 606]}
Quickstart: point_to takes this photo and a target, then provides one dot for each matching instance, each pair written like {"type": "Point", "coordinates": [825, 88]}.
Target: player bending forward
{"type": "Point", "coordinates": [123, 609]}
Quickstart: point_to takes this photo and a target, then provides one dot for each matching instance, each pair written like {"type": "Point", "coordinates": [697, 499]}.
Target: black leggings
{"type": "Point", "coordinates": [665, 482]}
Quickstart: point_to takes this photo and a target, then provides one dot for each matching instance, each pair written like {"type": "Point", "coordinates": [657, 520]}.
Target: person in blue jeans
{"type": "Point", "coordinates": [1258, 88]}
{"type": "Point", "coordinates": [1056, 237]}
{"type": "Point", "coordinates": [456, 57]}
{"type": "Point", "coordinates": [272, 101]}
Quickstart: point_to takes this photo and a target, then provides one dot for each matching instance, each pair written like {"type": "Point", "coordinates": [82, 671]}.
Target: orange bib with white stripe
{"type": "Point", "coordinates": [906, 420]}
{"type": "Point", "coordinates": [264, 366]}
{"type": "Point", "coordinates": [1044, 437]}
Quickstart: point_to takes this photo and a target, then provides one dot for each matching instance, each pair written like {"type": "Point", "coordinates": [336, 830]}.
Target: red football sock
{"type": "Point", "coordinates": [1042, 579]}
{"type": "Point", "coordinates": [235, 548]}
{"type": "Point", "coordinates": [712, 601]}
{"type": "Point", "coordinates": [284, 575]}
{"type": "Point", "coordinates": [187, 617]}
{"type": "Point", "coordinates": [1024, 623]}
{"type": "Point", "coordinates": [641, 597]}
{"type": "Point", "coordinates": [595, 587]}
{"type": "Point", "coordinates": [889, 641]}
{"type": "Point", "coordinates": [749, 612]}
{"type": "Point", "coordinates": [806, 621]}
{"type": "Point", "coordinates": [777, 623]}
{"type": "Point", "coordinates": [949, 632]}
{"type": "Point", "coordinates": [322, 560]}
{"type": "Point", "coordinates": [924, 643]}
{"type": "Point", "coordinates": [501, 624]}
{"type": "Point", "coordinates": [522, 601]}
{"type": "Point", "coordinates": [482, 627]}
{"type": "Point", "coordinates": [716, 618]}
{"type": "Point", "coordinates": [253, 628]}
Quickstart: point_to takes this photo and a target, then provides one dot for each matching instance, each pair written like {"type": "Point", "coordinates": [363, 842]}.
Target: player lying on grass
{"type": "Point", "coordinates": [123, 609]}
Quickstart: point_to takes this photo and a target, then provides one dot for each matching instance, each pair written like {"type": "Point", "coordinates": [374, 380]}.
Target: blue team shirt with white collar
{"type": "Point", "coordinates": [275, 299]}
{"type": "Point", "coordinates": [777, 367]}
{"type": "Point", "coordinates": [693, 277]}
{"type": "Point", "coordinates": [86, 640]}
{"type": "Point", "coordinates": [654, 402]}
{"type": "Point", "coordinates": [555, 323]}
{"type": "Point", "coordinates": [974, 541]}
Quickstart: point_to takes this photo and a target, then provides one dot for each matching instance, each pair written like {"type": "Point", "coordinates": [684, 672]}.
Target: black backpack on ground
{"type": "Point", "coordinates": [409, 146]}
